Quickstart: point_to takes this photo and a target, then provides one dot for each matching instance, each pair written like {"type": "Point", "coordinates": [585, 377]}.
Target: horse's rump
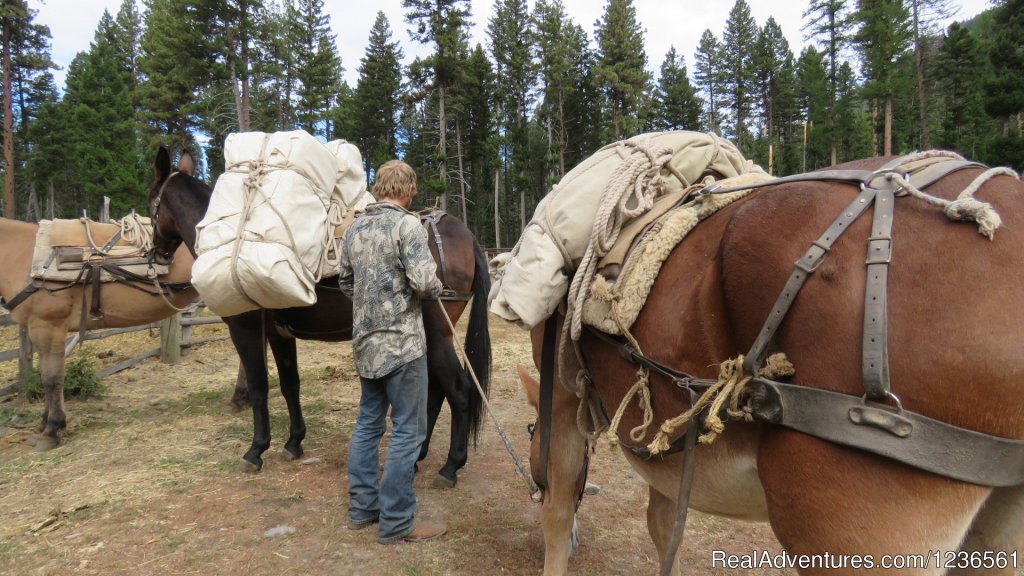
{"type": "Point", "coordinates": [953, 332]}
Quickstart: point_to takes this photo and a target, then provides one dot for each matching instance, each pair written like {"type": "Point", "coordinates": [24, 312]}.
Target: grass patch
{"type": "Point", "coordinates": [409, 570]}
{"type": "Point", "coordinates": [80, 380]}
{"type": "Point", "coordinates": [209, 402]}
{"type": "Point", "coordinates": [10, 416]}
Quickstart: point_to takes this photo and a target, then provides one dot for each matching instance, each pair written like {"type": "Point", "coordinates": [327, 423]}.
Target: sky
{"type": "Point", "coordinates": [667, 23]}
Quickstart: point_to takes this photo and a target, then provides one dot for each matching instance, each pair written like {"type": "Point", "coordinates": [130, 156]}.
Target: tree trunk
{"type": "Point", "coordinates": [874, 126]}
{"type": "Point", "coordinates": [9, 205]}
{"type": "Point", "coordinates": [888, 126]}
{"type": "Point", "coordinates": [562, 136]}
{"type": "Point", "coordinates": [442, 145]}
{"type": "Point", "coordinates": [497, 215]}
{"type": "Point", "coordinates": [462, 173]}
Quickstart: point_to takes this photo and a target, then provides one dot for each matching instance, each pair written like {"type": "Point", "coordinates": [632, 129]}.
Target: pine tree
{"type": "Point", "coordinates": [552, 25]}
{"type": "Point", "coordinates": [883, 37]}
{"type": "Point", "coordinates": [925, 13]}
{"type": "Point", "coordinates": [772, 63]}
{"type": "Point", "coordinates": [813, 94]}
{"type": "Point", "coordinates": [318, 66]}
{"type": "Point", "coordinates": [958, 61]}
{"type": "Point", "coordinates": [273, 68]}
{"type": "Point", "coordinates": [738, 46]}
{"type": "Point", "coordinates": [480, 144]}
{"type": "Point", "coordinates": [677, 102]}
{"type": "Point", "coordinates": [377, 97]}
{"type": "Point", "coordinates": [622, 66]}
{"type": "Point", "coordinates": [102, 125]}
{"type": "Point", "coordinates": [444, 24]}
{"type": "Point", "coordinates": [829, 21]}
{"type": "Point", "coordinates": [177, 65]}
{"type": "Point", "coordinates": [25, 55]}
{"type": "Point", "coordinates": [709, 75]}
{"type": "Point", "coordinates": [510, 42]}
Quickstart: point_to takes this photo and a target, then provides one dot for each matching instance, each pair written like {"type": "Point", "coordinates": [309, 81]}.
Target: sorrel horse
{"type": "Point", "coordinates": [955, 331]}
{"type": "Point", "coordinates": [55, 308]}
{"type": "Point", "coordinates": [178, 203]}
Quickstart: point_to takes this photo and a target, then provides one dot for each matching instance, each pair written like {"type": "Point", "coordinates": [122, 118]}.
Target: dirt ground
{"type": "Point", "coordinates": [147, 483]}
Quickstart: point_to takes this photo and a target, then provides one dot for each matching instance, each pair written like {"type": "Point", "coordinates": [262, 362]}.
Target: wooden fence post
{"type": "Point", "coordinates": [25, 355]}
{"type": "Point", "coordinates": [170, 340]}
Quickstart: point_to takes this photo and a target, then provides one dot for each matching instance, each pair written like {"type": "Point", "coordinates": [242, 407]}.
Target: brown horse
{"type": "Point", "coordinates": [177, 204]}
{"type": "Point", "coordinates": [54, 309]}
{"type": "Point", "coordinates": [955, 332]}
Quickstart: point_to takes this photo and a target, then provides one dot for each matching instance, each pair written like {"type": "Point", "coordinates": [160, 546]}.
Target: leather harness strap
{"type": "Point", "coordinates": [547, 385]}
{"type": "Point", "coordinates": [430, 219]}
{"type": "Point", "coordinates": [875, 356]}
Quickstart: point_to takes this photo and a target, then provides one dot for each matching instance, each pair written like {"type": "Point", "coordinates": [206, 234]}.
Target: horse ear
{"type": "Point", "coordinates": [530, 386]}
{"type": "Point", "coordinates": [162, 165]}
{"type": "Point", "coordinates": [186, 165]}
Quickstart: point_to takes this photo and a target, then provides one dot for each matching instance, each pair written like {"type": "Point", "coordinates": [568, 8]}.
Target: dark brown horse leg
{"type": "Point", "coordinates": [240, 397]}
{"type": "Point", "coordinates": [49, 343]}
{"type": "Point", "coordinates": [249, 339]}
{"type": "Point", "coordinates": [448, 377]}
{"type": "Point", "coordinates": [435, 399]}
{"type": "Point", "coordinates": [288, 373]}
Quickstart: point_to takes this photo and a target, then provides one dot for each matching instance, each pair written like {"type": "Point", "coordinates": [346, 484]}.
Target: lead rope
{"type": "Point", "coordinates": [534, 489]}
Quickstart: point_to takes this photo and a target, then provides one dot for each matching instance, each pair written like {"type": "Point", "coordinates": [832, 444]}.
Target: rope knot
{"type": "Point", "coordinates": [968, 209]}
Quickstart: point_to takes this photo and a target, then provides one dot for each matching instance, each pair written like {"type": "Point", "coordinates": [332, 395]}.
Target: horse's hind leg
{"type": "Point", "coordinates": [435, 399]}
{"type": "Point", "coordinates": [240, 395]}
{"type": "Point", "coordinates": [288, 373]}
{"type": "Point", "coordinates": [996, 535]}
{"type": "Point", "coordinates": [661, 518]}
{"type": "Point", "coordinates": [823, 498]}
{"type": "Point", "coordinates": [447, 375]}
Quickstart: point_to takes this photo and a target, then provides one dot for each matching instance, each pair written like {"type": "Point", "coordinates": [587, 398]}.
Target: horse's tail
{"type": "Point", "coordinates": [478, 340]}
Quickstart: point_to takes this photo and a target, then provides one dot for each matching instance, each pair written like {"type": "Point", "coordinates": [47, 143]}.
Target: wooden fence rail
{"type": "Point", "coordinates": [176, 334]}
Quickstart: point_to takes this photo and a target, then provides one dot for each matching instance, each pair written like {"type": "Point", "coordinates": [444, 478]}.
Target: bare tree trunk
{"type": "Point", "coordinates": [9, 205]}
{"type": "Point", "coordinates": [888, 126]}
{"type": "Point", "coordinates": [874, 127]}
{"type": "Point", "coordinates": [562, 136]}
{"type": "Point", "coordinates": [443, 148]}
{"type": "Point", "coordinates": [497, 215]}
{"type": "Point", "coordinates": [236, 92]}
{"type": "Point", "coordinates": [462, 173]}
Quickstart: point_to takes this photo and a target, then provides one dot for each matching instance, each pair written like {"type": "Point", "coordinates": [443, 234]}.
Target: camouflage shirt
{"type": "Point", "coordinates": [386, 268]}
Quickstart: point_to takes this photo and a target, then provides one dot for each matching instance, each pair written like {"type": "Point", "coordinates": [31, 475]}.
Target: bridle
{"type": "Point", "coordinates": [163, 247]}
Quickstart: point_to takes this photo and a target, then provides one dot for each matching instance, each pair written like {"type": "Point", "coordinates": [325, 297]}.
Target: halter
{"type": "Point", "coordinates": [158, 254]}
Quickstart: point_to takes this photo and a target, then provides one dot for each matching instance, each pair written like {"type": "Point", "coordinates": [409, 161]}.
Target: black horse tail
{"type": "Point", "coordinates": [478, 340]}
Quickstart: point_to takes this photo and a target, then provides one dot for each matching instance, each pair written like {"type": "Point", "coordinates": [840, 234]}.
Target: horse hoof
{"type": "Point", "coordinates": [248, 467]}
{"type": "Point", "coordinates": [290, 456]}
{"type": "Point", "coordinates": [41, 442]}
{"type": "Point", "coordinates": [442, 483]}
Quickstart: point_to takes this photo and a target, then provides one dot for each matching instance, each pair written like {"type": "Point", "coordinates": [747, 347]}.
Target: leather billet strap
{"type": "Point", "coordinates": [547, 387]}
{"type": "Point", "coordinates": [683, 493]}
{"type": "Point", "coordinates": [875, 356]}
{"type": "Point", "coordinates": [804, 267]}
{"type": "Point", "coordinates": [902, 435]}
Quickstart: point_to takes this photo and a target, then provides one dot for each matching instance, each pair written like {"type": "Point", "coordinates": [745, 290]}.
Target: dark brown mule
{"type": "Point", "coordinates": [955, 332]}
{"type": "Point", "coordinates": [55, 309]}
{"type": "Point", "coordinates": [178, 205]}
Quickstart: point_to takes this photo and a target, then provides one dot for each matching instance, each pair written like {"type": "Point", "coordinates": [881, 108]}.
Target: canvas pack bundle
{"type": "Point", "coordinates": [263, 240]}
{"type": "Point", "coordinates": [530, 281]}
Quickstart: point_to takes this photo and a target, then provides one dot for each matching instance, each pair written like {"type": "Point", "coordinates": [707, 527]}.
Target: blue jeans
{"type": "Point", "coordinates": [391, 499]}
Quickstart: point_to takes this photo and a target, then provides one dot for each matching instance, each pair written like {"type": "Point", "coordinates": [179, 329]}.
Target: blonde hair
{"type": "Point", "coordinates": [395, 180]}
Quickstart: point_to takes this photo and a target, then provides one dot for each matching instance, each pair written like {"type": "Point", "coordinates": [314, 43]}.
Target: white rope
{"type": "Point", "coordinates": [636, 179]}
{"type": "Point", "coordinates": [137, 230]}
{"type": "Point", "coordinates": [332, 256]}
{"type": "Point", "coordinates": [966, 207]}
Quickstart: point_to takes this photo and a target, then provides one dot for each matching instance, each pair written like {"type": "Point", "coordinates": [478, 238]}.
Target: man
{"type": "Point", "coordinates": [386, 269]}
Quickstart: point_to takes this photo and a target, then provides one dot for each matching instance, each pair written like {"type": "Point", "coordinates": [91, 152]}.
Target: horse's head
{"type": "Point", "coordinates": [177, 201]}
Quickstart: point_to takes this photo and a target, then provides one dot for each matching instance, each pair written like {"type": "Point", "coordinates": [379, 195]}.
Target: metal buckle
{"type": "Point", "coordinates": [882, 403]}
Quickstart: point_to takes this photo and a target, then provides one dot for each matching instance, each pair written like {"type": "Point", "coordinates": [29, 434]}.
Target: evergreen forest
{"type": "Point", "coordinates": [491, 127]}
